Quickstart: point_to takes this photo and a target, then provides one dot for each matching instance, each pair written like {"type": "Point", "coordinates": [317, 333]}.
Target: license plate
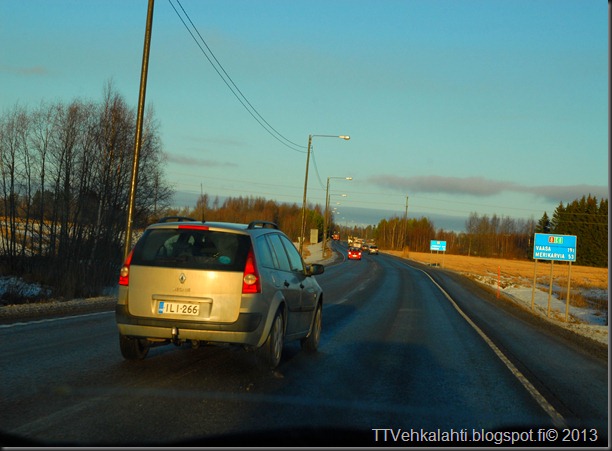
{"type": "Point", "coordinates": [178, 308]}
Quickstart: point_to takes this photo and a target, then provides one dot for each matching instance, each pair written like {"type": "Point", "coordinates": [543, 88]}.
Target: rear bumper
{"type": "Point", "coordinates": [247, 329]}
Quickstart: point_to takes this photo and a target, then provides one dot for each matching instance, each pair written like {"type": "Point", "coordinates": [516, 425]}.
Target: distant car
{"type": "Point", "coordinates": [354, 253]}
{"type": "Point", "coordinates": [364, 247]}
{"type": "Point", "coordinates": [206, 282]}
{"type": "Point", "coordinates": [373, 249]}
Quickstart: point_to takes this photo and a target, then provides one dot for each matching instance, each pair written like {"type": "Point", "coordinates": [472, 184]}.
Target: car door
{"type": "Point", "coordinates": [308, 289]}
{"type": "Point", "coordinates": [288, 282]}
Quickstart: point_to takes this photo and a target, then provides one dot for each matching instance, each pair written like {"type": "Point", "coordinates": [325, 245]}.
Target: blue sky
{"type": "Point", "coordinates": [493, 106]}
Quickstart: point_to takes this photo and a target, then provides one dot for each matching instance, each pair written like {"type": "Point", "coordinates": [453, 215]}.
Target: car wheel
{"type": "Point", "coordinates": [133, 348]}
{"type": "Point", "coordinates": [311, 343]}
{"type": "Point", "coordinates": [271, 351]}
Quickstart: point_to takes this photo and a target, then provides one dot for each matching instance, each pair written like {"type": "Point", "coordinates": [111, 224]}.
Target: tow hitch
{"type": "Point", "coordinates": [175, 337]}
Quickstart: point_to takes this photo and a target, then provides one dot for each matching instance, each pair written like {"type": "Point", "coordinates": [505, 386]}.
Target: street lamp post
{"type": "Point", "coordinates": [326, 214]}
{"type": "Point", "coordinates": [303, 231]}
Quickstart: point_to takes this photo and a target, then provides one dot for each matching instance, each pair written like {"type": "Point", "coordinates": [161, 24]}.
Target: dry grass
{"type": "Point", "coordinates": [521, 272]}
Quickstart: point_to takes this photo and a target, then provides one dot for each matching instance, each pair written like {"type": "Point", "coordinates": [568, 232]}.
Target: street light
{"type": "Point", "coordinates": [326, 214]}
{"type": "Point", "coordinates": [303, 232]}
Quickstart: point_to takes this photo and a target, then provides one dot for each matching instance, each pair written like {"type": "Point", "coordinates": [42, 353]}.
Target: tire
{"type": "Point", "coordinates": [271, 351]}
{"type": "Point", "coordinates": [310, 344]}
{"type": "Point", "coordinates": [133, 348]}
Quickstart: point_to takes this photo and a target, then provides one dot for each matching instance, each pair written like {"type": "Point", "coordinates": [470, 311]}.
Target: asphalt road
{"type": "Point", "coordinates": [407, 355]}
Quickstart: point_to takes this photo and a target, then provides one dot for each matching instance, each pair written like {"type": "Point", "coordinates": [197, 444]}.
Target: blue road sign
{"type": "Point", "coordinates": [437, 245]}
{"type": "Point", "coordinates": [554, 247]}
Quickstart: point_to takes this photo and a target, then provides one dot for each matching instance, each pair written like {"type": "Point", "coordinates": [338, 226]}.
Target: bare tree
{"type": "Point", "coordinates": [64, 180]}
{"type": "Point", "coordinates": [12, 147]}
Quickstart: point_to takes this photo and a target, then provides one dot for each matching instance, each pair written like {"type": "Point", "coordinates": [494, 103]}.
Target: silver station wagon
{"type": "Point", "coordinates": [206, 282]}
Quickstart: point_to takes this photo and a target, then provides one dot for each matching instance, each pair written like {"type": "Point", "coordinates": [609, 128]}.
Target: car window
{"type": "Point", "coordinates": [192, 249]}
{"type": "Point", "coordinates": [294, 256]}
{"type": "Point", "coordinates": [279, 251]}
{"type": "Point", "coordinates": [265, 256]}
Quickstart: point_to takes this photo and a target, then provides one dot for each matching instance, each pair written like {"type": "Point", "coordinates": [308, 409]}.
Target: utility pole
{"type": "Point", "coordinates": [138, 138]}
{"type": "Point", "coordinates": [303, 229]}
{"type": "Point", "coordinates": [405, 225]}
{"type": "Point", "coordinates": [303, 219]}
{"type": "Point", "coordinates": [202, 203]}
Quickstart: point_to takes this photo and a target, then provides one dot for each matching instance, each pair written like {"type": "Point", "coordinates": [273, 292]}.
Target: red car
{"type": "Point", "coordinates": [354, 253]}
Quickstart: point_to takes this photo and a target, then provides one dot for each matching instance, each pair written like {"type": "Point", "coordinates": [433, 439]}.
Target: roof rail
{"type": "Point", "coordinates": [176, 219]}
{"type": "Point", "coordinates": [262, 224]}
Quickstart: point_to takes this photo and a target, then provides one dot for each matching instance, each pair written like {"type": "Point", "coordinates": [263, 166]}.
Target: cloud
{"type": "Point", "coordinates": [474, 186]}
{"type": "Point", "coordinates": [199, 162]}
{"type": "Point", "coordinates": [482, 187]}
{"type": "Point", "coordinates": [569, 193]}
{"type": "Point", "coordinates": [34, 70]}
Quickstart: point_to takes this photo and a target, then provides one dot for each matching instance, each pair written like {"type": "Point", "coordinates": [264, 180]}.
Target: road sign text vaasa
{"type": "Point", "coordinates": [437, 246]}
{"type": "Point", "coordinates": [554, 247]}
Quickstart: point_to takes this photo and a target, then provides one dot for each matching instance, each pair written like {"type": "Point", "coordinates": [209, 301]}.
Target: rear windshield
{"type": "Point", "coordinates": [192, 249]}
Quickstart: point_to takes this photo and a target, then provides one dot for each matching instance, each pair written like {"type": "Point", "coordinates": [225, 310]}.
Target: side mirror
{"type": "Point", "coordinates": [315, 269]}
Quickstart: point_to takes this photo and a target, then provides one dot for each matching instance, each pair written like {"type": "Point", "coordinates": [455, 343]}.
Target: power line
{"type": "Point", "coordinates": [314, 163]}
{"type": "Point", "coordinates": [233, 87]}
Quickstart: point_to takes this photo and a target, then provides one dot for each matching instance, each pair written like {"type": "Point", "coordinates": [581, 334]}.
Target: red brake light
{"type": "Point", "coordinates": [193, 227]}
{"type": "Point", "coordinates": [124, 273]}
{"type": "Point", "coordinates": [250, 279]}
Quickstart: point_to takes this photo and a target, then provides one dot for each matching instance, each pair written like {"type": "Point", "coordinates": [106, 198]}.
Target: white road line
{"type": "Point", "coordinates": [50, 320]}
{"type": "Point", "coordinates": [556, 417]}
{"type": "Point", "coordinates": [341, 301]}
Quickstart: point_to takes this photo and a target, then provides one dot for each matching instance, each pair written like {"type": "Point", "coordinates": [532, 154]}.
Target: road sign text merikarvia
{"type": "Point", "coordinates": [554, 247]}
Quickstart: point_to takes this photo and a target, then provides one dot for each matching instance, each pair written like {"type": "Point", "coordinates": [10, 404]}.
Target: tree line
{"type": "Point", "coordinates": [501, 236]}
{"type": "Point", "coordinates": [244, 209]}
{"type": "Point", "coordinates": [484, 236]}
{"type": "Point", "coordinates": [65, 175]}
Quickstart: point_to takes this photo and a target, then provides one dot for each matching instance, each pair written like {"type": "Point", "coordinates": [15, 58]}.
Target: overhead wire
{"type": "Point", "coordinates": [238, 93]}
{"type": "Point", "coordinates": [232, 86]}
{"type": "Point", "coordinates": [314, 163]}
{"type": "Point", "coordinates": [252, 111]}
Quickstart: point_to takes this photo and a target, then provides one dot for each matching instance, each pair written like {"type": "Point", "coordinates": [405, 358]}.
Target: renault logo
{"type": "Point", "coordinates": [182, 278]}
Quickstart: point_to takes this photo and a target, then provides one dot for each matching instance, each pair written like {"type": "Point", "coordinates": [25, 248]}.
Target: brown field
{"type": "Point", "coordinates": [521, 272]}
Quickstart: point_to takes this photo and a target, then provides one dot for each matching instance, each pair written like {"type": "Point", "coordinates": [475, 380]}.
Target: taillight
{"type": "Point", "coordinates": [193, 227]}
{"type": "Point", "coordinates": [124, 273]}
{"type": "Point", "coordinates": [250, 279]}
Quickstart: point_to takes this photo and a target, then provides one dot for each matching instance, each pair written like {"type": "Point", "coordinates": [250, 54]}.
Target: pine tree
{"type": "Point", "coordinates": [586, 219]}
{"type": "Point", "coordinates": [557, 223]}
{"type": "Point", "coordinates": [543, 225]}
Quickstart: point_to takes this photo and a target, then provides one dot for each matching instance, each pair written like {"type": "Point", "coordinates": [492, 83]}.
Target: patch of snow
{"type": "Point", "coordinates": [587, 321]}
{"type": "Point", "coordinates": [18, 288]}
